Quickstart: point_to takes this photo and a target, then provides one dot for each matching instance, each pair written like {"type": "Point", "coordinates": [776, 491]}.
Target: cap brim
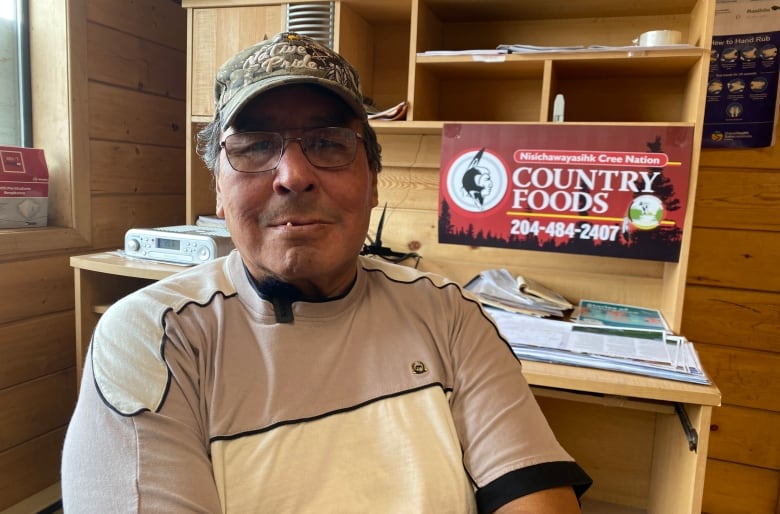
{"type": "Point", "coordinates": [236, 104]}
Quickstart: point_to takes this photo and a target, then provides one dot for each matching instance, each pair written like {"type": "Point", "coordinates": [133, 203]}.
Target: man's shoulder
{"type": "Point", "coordinates": [127, 345]}
{"type": "Point", "coordinates": [197, 283]}
{"type": "Point", "coordinates": [403, 274]}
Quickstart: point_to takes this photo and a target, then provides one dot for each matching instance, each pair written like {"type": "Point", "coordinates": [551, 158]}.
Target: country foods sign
{"type": "Point", "coordinates": [617, 191]}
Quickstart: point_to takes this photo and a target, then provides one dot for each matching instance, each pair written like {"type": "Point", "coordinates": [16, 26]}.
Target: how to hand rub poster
{"type": "Point", "coordinates": [610, 190]}
{"type": "Point", "coordinates": [743, 76]}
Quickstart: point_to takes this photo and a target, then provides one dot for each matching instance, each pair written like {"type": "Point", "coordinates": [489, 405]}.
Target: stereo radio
{"type": "Point", "coordinates": [181, 244]}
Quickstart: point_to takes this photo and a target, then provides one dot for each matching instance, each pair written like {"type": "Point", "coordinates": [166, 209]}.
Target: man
{"type": "Point", "coordinates": [294, 375]}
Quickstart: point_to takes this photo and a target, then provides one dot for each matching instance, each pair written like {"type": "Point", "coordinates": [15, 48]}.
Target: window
{"type": "Point", "coordinates": [58, 92]}
{"type": "Point", "coordinates": [15, 117]}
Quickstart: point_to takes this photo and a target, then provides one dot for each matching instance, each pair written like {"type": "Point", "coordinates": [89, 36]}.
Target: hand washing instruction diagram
{"type": "Point", "coordinates": [742, 85]}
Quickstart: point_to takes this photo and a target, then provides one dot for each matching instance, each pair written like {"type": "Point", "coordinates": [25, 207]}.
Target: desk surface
{"type": "Point", "coordinates": [115, 263]}
{"type": "Point", "coordinates": [541, 374]}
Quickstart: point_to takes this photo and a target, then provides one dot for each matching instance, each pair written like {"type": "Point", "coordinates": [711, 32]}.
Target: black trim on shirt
{"type": "Point", "coordinates": [521, 482]}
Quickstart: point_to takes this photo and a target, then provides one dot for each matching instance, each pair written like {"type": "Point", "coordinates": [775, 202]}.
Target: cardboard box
{"type": "Point", "coordinates": [24, 187]}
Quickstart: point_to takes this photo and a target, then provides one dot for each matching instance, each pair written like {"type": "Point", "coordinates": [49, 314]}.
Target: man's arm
{"type": "Point", "coordinates": [559, 500]}
{"type": "Point", "coordinates": [149, 462]}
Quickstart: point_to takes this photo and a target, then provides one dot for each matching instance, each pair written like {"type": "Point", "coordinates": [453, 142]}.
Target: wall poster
{"type": "Point", "coordinates": [611, 190]}
{"type": "Point", "coordinates": [742, 83]}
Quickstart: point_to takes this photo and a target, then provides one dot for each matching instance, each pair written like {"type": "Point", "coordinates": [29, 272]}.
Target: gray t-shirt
{"type": "Point", "coordinates": [400, 396]}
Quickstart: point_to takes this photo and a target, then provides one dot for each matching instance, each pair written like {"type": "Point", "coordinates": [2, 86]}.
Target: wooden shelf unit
{"type": "Point", "coordinates": [648, 468]}
{"type": "Point", "coordinates": [386, 40]}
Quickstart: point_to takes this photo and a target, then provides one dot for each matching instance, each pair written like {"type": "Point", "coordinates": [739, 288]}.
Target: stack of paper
{"type": "Point", "coordinates": [650, 352]}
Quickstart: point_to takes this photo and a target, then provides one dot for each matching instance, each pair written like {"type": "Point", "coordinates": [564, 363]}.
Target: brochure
{"type": "Point", "coordinates": [592, 312]}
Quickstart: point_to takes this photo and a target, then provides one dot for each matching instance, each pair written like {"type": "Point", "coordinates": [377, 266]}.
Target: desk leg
{"type": "Point", "coordinates": [85, 321]}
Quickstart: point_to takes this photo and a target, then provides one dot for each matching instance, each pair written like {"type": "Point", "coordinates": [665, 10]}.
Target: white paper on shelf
{"type": "Point", "coordinates": [548, 340]}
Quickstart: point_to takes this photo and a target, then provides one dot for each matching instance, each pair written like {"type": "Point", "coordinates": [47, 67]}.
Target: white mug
{"type": "Point", "coordinates": [659, 38]}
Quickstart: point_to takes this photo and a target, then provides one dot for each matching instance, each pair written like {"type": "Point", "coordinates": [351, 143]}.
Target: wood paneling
{"type": "Point", "coordinates": [746, 436]}
{"type": "Point", "coordinates": [735, 489]}
{"type": "Point", "coordinates": [114, 215]}
{"type": "Point", "coordinates": [739, 259]}
{"type": "Point", "coordinates": [726, 316]}
{"type": "Point", "coordinates": [129, 168]}
{"type": "Point", "coordinates": [37, 407]}
{"type": "Point", "coordinates": [121, 59]}
{"type": "Point", "coordinates": [751, 202]}
{"type": "Point", "coordinates": [30, 467]}
{"type": "Point", "coordinates": [746, 378]}
{"type": "Point", "coordinates": [741, 159]}
{"type": "Point", "coordinates": [153, 20]}
{"type": "Point", "coordinates": [35, 287]}
{"type": "Point", "coordinates": [117, 114]}
{"type": "Point", "coordinates": [237, 27]}
{"type": "Point", "coordinates": [133, 66]}
{"type": "Point", "coordinates": [732, 312]}
{"type": "Point", "coordinates": [36, 347]}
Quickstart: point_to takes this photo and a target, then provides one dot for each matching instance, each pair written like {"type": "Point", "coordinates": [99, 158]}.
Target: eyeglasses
{"type": "Point", "coordinates": [324, 147]}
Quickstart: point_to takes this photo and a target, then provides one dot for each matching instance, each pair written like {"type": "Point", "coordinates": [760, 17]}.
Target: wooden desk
{"type": "Point", "coordinates": [627, 431]}
{"type": "Point", "coordinates": [632, 434]}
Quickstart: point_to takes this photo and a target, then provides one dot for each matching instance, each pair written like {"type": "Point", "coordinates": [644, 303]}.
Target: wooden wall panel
{"type": "Point", "coordinates": [114, 215]}
{"type": "Point", "coordinates": [725, 316]}
{"type": "Point", "coordinates": [229, 30]}
{"type": "Point", "coordinates": [410, 188]}
{"type": "Point", "coordinates": [129, 168]}
{"type": "Point", "coordinates": [412, 151]}
{"type": "Point", "coordinates": [739, 259]}
{"type": "Point", "coordinates": [741, 159]}
{"type": "Point", "coordinates": [31, 467]}
{"type": "Point", "coordinates": [738, 198]}
{"type": "Point", "coordinates": [121, 59]}
{"type": "Point", "coordinates": [135, 65]}
{"type": "Point", "coordinates": [732, 313]}
{"type": "Point", "coordinates": [735, 489]}
{"type": "Point", "coordinates": [746, 436]}
{"type": "Point", "coordinates": [35, 287]}
{"type": "Point", "coordinates": [735, 249]}
{"type": "Point", "coordinates": [747, 378]}
{"type": "Point", "coordinates": [35, 347]}
{"type": "Point", "coordinates": [117, 114]}
{"type": "Point", "coordinates": [37, 407]}
{"type": "Point", "coordinates": [153, 20]}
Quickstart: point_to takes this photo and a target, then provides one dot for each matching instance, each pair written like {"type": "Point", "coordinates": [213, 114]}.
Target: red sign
{"type": "Point", "coordinates": [618, 191]}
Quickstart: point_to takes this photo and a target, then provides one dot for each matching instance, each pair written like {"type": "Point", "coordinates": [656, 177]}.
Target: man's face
{"type": "Point", "coordinates": [298, 223]}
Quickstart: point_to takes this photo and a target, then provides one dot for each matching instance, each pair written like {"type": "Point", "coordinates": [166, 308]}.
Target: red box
{"type": "Point", "coordinates": [24, 187]}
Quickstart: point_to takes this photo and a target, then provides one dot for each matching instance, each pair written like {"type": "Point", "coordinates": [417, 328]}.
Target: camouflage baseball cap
{"type": "Point", "coordinates": [287, 58]}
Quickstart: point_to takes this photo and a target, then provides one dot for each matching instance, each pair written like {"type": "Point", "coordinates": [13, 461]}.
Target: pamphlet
{"type": "Point", "coordinates": [617, 315]}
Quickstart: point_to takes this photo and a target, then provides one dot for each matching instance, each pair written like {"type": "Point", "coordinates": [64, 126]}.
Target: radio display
{"type": "Point", "coordinates": [168, 244]}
